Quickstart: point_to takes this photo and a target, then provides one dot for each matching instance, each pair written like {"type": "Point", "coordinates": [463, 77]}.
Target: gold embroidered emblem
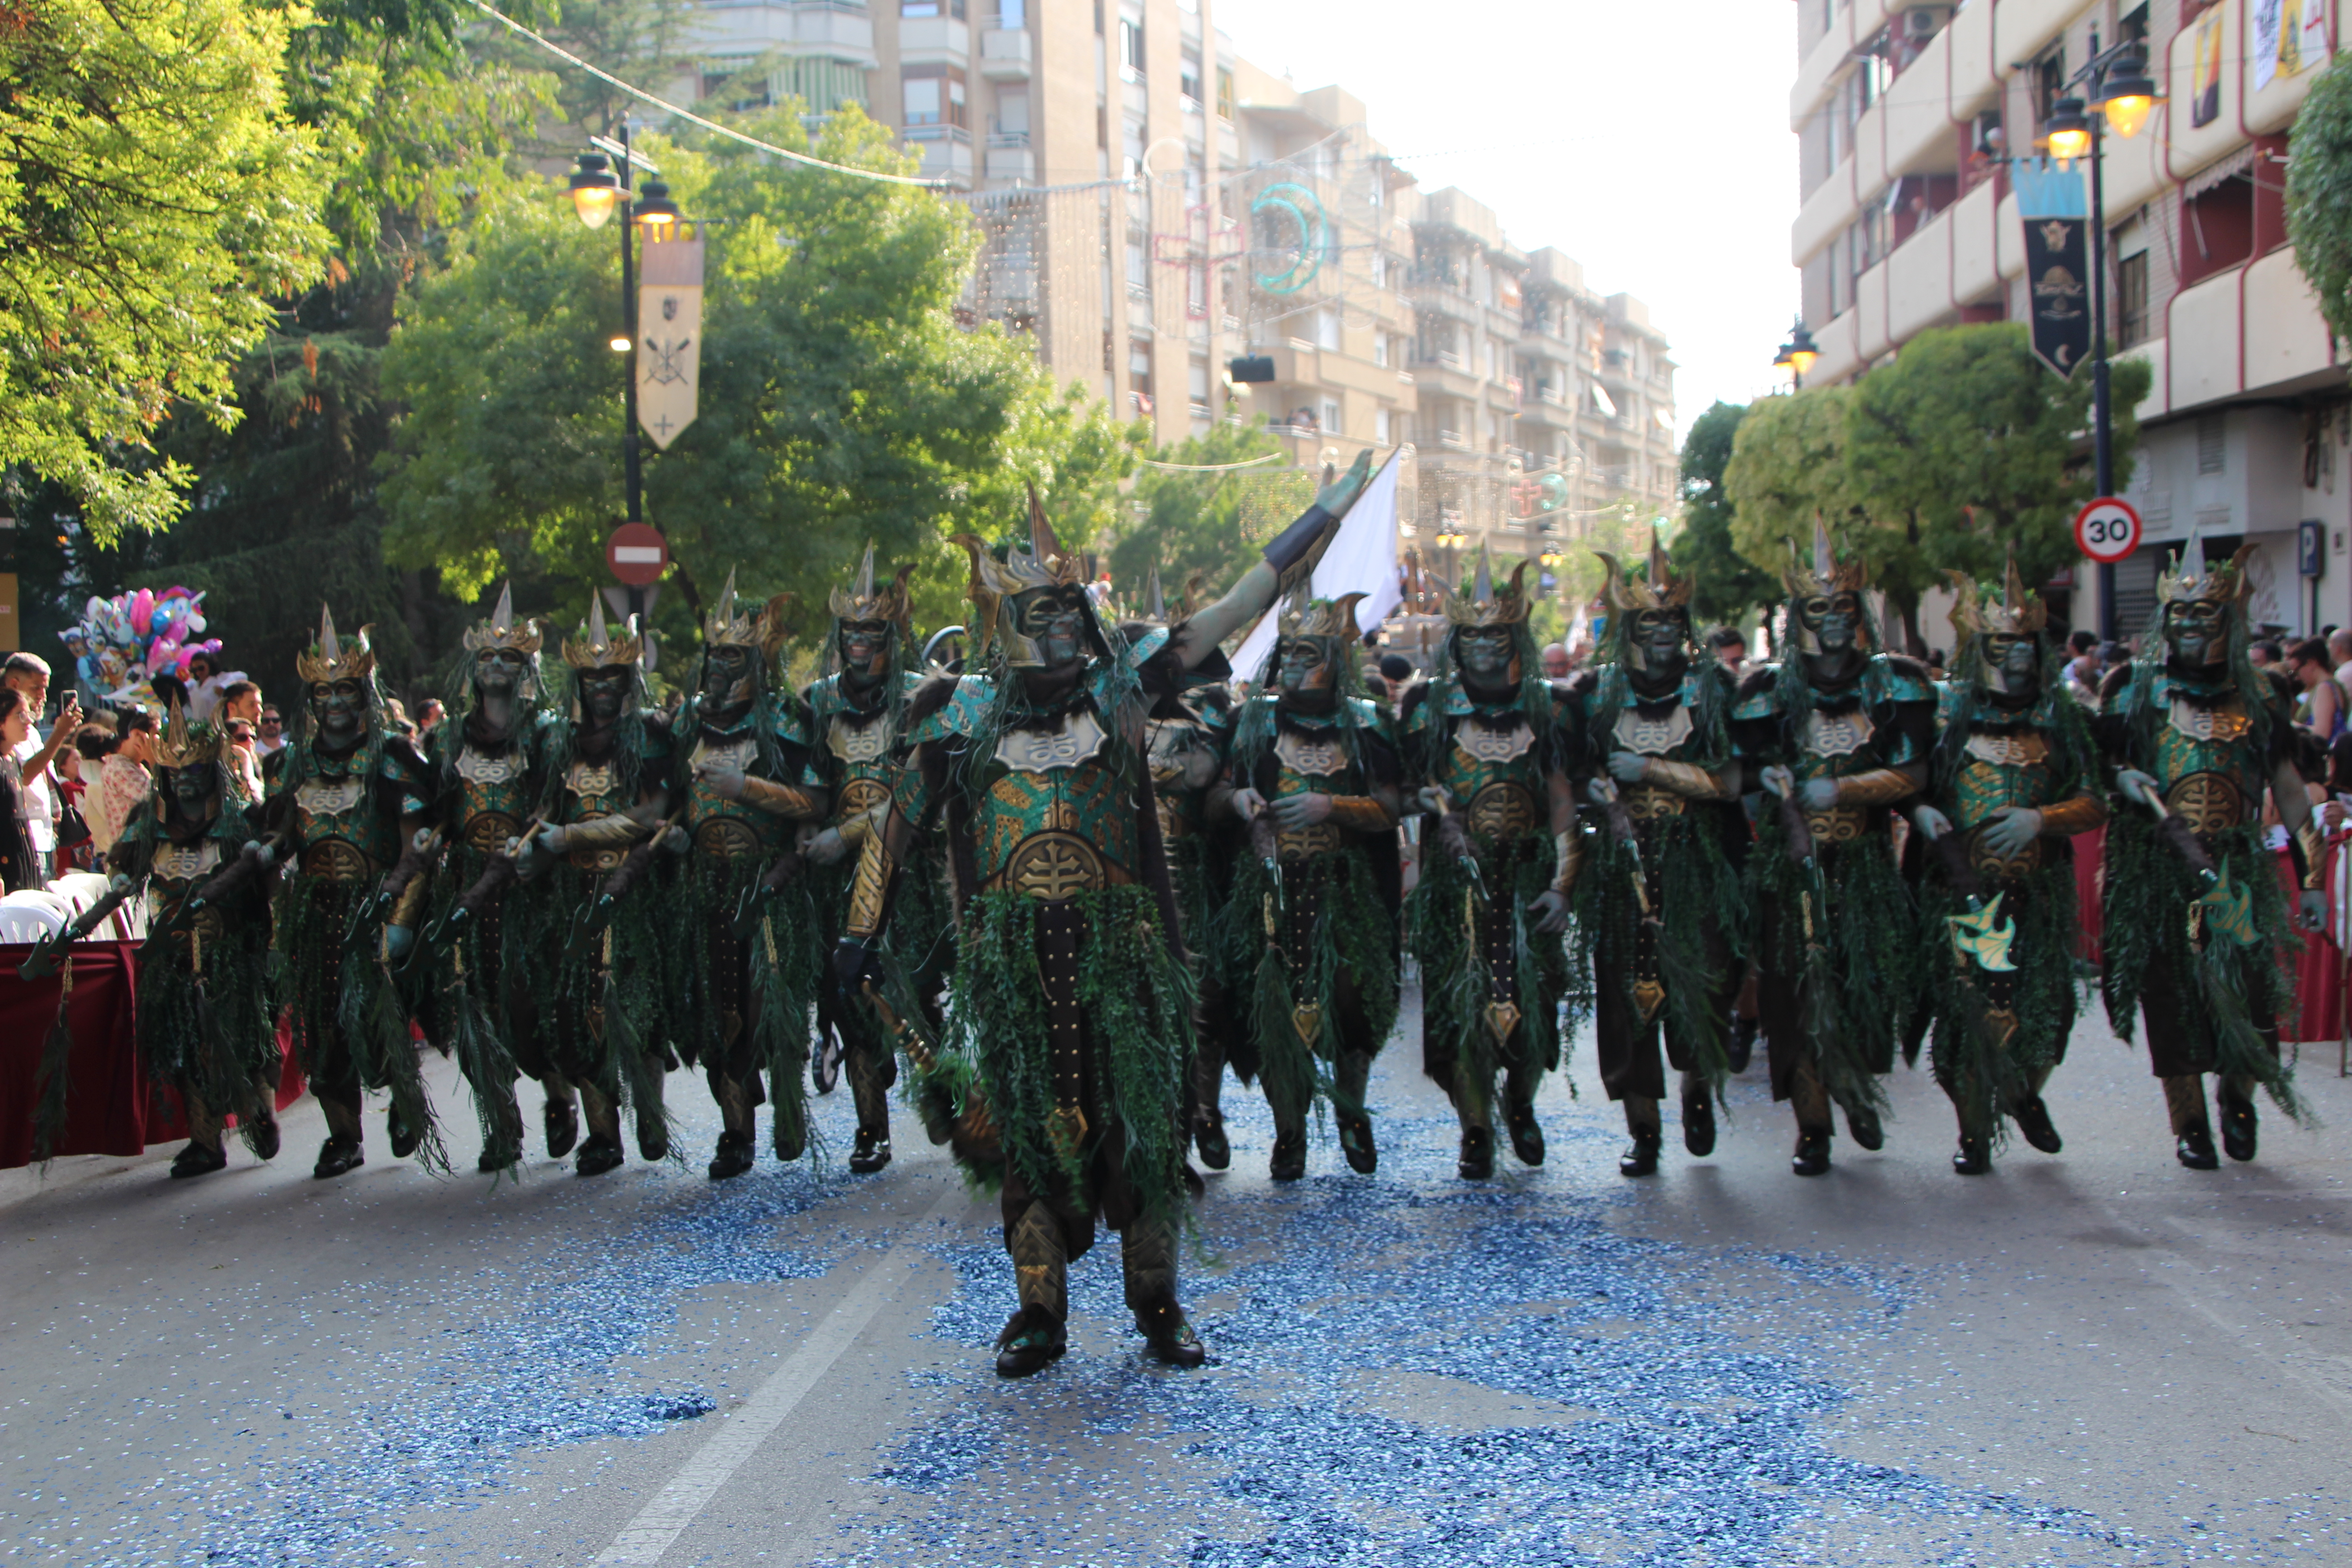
{"type": "Point", "coordinates": [726, 839]}
{"type": "Point", "coordinates": [1048, 750]}
{"type": "Point", "coordinates": [2210, 802]}
{"type": "Point", "coordinates": [1838, 825]}
{"type": "Point", "coordinates": [2009, 750]}
{"type": "Point", "coordinates": [859, 796]}
{"type": "Point", "coordinates": [1307, 1019]}
{"type": "Point", "coordinates": [585, 779]}
{"type": "Point", "coordinates": [1053, 866]}
{"type": "Point", "coordinates": [1318, 757]}
{"type": "Point", "coordinates": [327, 797]}
{"type": "Point", "coordinates": [1649, 996]}
{"type": "Point", "coordinates": [1502, 1017]}
{"type": "Point", "coordinates": [858, 743]}
{"type": "Point", "coordinates": [1652, 737]}
{"type": "Point", "coordinates": [1322, 839]}
{"type": "Point", "coordinates": [475, 767]}
{"type": "Point", "coordinates": [738, 755]}
{"type": "Point", "coordinates": [1493, 746]}
{"type": "Point", "coordinates": [488, 831]}
{"type": "Point", "coordinates": [1501, 811]}
{"type": "Point", "coordinates": [2226, 724]}
{"type": "Point", "coordinates": [1648, 803]}
{"type": "Point", "coordinates": [1836, 734]}
{"type": "Point", "coordinates": [185, 862]}
{"type": "Point", "coordinates": [334, 860]}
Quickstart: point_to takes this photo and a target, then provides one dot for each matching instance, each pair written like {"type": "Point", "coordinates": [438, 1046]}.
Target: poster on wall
{"type": "Point", "coordinates": [2312, 51]}
{"type": "Point", "coordinates": [2205, 71]}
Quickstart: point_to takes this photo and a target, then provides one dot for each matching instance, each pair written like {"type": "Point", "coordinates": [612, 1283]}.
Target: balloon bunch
{"type": "Point", "coordinates": [124, 643]}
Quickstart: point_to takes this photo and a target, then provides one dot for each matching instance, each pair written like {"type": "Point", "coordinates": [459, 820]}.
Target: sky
{"type": "Point", "coordinates": [1647, 138]}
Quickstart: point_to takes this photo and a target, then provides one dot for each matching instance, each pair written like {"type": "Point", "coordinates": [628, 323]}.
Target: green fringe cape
{"type": "Point", "coordinates": [1984, 1076]}
{"type": "Point", "coordinates": [629, 1062]}
{"type": "Point", "coordinates": [786, 957]}
{"type": "Point", "coordinates": [1700, 894]}
{"type": "Point", "coordinates": [1138, 1003]}
{"type": "Point", "coordinates": [462, 1000]}
{"type": "Point", "coordinates": [2149, 890]}
{"type": "Point", "coordinates": [1864, 970]}
{"type": "Point", "coordinates": [337, 988]}
{"type": "Point", "coordinates": [1354, 933]}
{"type": "Point", "coordinates": [1457, 980]}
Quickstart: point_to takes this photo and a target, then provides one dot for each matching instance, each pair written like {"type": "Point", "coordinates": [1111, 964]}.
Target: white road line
{"type": "Point", "coordinates": [689, 1491]}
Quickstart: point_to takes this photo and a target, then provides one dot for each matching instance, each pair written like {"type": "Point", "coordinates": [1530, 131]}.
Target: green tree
{"type": "Point", "coordinates": [155, 197]}
{"type": "Point", "coordinates": [838, 402]}
{"type": "Point", "coordinates": [284, 515]}
{"type": "Point", "coordinates": [1729, 586]}
{"type": "Point", "coordinates": [1966, 449]}
{"type": "Point", "coordinates": [1962, 450]}
{"type": "Point", "coordinates": [2319, 193]}
{"type": "Point", "coordinates": [1187, 523]}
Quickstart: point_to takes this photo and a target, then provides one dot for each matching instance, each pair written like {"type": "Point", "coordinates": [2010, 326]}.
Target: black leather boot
{"type": "Point", "coordinates": [1476, 1161]}
{"type": "Point", "coordinates": [1356, 1144]}
{"type": "Point", "coordinates": [1739, 1046]}
{"type": "Point", "coordinates": [336, 1156]}
{"type": "Point", "coordinates": [1640, 1156]}
{"type": "Point", "coordinates": [562, 1121]}
{"type": "Point", "coordinates": [199, 1160]}
{"type": "Point", "coordinates": [1974, 1159]}
{"type": "Point", "coordinates": [1209, 1138]}
{"type": "Point", "coordinates": [1698, 1123]}
{"type": "Point", "coordinates": [1289, 1162]}
{"type": "Point", "coordinates": [871, 1153]}
{"type": "Point", "coordinates": [733, 1157]}
{"type": "Point", "coordinates": [264, 1144]}
{"type": "Point", "coordinates": [1033, 1340]}
{"type": "Point", "coordinates": [1526, 1133]}
{"type": "Point", "coordinates": [597, 1155]}
{"type": "Point", "coordinates": [2238, 1125]}
{"type": "Point", "coordinates": [2033, 1124]}
{"type": "Point", "coordinates": [1862, 1123]}
{"type": "Point", "coordinates": [2194, 1148]}
{"type": "Point", "coordinates": [402, 1138]}
{"type": "Point", "coordinates": [1812, 1155]}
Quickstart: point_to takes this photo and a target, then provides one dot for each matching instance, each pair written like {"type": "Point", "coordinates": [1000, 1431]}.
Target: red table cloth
{"type": "Point", "coordinates": [111, 1108]}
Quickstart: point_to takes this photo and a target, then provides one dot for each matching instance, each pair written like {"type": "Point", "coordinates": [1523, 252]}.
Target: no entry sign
{"type": "Point", "coordinates": [2106, 530]}
{"type": "Point", "coordinates": [636, 553]}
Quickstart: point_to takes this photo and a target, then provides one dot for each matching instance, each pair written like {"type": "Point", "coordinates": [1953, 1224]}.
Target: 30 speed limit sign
{"type": "Point", "coordinates": [2106, 530]}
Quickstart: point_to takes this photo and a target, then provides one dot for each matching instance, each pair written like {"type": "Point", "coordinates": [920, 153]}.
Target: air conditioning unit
{"type": "Point", "coordinates": [1922, 22]}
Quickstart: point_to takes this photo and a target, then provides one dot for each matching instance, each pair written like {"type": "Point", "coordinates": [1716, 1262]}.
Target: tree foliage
{"type": "Point", "coordinates": [839, 403]}
{"type": "Point", "coordinates": [156, 195]}
{"type": "Point", "coordinates": [2319, 193]}
{"type": "Point", "coordinates": [1728, 584]}
{"type": "Point", "coordinates": [1962, 450]}
{"type": "Point", "coordinates": [1187, 523]}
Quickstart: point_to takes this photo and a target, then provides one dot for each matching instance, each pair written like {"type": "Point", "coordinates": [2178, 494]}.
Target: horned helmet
{"type": "Point", "coordinates": [1032, 604]}
{"type": "Point", "coordinates": [502, 641]}
{"type": "Point", "coordinates": [1654, 609]}
{"type": "Point", "coordinates": [1485, 627]}
{"type": "Point", "coordinates": [604, 666]}
{"type": "Point", "coordinates": [1828, 598]}
{"type": "Point", "coordinates": [2002, 627]}
{"type": "Point", "coordinates": [2203, 604]}
{"type": "Point", "coordinates": [739, 649]}
{"type": "Point", "coordinates": [868, 612]}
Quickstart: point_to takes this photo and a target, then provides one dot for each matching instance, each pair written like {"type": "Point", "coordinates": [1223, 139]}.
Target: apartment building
{"type": "Point", "coordinates": [1153, 207]}
{"type": "Point", "coordinates": [1906, 116]}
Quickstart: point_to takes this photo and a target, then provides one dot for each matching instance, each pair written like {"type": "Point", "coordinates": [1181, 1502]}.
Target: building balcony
{"type": "Point", "coordinates": [946, 150]}
{"type": "Point", "coordinates": [839, 29]}
{"type": "Point", "coordinates": [1444, 299]}
{"type": "Point", "coordinates": [1009, 157]}
{"type": "Point", "coordinates": [924, 40]}
{"type": "Point", "coordinates": [1005, 54]}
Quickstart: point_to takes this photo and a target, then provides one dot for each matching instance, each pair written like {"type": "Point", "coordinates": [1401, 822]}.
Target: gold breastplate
{"type": "Point", "coordinates": [2210, 802]}
{"type": "Point", "coordinates": [1504, 810]}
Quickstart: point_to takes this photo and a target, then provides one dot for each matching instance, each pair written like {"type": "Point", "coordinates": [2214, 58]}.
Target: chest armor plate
{"type": "Point", "coordinates": [1495, 776]}
{"type": "Point", "coordinates": [176, 871]}
{"type": "Point", "coordinates": [1652, 737]}
{"type": "Point", "coordinates": [1055, 831]}
{"type": "Point", "coordinates": [2206, 761]}
{"type": "Point", "coordinates": [1504, 810]}
{"type": "Point", "coordinates": [1310, 756]}
{"type": "Point", "coordinates": [727, 829]}
{"type": "Point", "coordinates": [343, 838]}
{"type": "Point", "coordinates": [493, 807]}
{"type": "Point", "coordinates": [594, 790]}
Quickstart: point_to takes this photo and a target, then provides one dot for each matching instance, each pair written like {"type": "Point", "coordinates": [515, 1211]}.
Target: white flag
{"type": "Point", "coordinates": [1362, 558]}
{"type": "Point", "coordinates": [669, 336]}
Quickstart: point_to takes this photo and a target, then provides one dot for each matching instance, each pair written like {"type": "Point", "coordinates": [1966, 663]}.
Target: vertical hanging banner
{"type": "Point", "coordinates": [2055, 216]}
{"type": "Point", "coordinates": [669, 336]}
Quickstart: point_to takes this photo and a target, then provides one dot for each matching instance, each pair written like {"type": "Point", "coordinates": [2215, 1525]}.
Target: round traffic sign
{"type": "Point", "coordinates": [636, 553]}
{"type": "Point", "coordinates": [2106, 530]}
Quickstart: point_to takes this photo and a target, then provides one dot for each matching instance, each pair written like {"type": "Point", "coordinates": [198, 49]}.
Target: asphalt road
{"type": "Point", "coordinates": [2097, 1358]}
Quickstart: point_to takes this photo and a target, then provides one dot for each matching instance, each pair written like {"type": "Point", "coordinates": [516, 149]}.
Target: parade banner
{"type": "Point", "coordinates": [2050, 205]}
{"type": "Point", "coordinates": [669, 336]}
{"type": "Point", "coordinates": [1362, 558]}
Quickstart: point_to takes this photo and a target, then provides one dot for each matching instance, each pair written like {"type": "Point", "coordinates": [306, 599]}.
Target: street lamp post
{"type": "Point", "coordinates": [2122, 98]}
{"type": "Point", "coordinates": [1798, 353]}
{"type": "Point", "coordinates": [596, 193]}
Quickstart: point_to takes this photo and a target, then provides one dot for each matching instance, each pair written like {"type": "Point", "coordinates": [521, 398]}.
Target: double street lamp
{"type": "Point", "coordinates": [597, 191]}
{"type": "Point", "coordinates": [1798, 353]}
{"type": "Point", "coordinates": [2121, 98]}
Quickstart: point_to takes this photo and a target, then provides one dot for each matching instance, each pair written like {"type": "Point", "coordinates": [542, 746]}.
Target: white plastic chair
{"type": "Point", "coordinates": [30, 916]}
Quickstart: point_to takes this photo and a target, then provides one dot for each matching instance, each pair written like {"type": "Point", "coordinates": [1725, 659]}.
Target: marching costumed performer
{"type": "Point", "coordinates": [1188, 725]}
{"type": "Point", "coordinates": [1063, 1056]}
{"type": "Point", "coordinates": [597, 939]}
{"type": "Point", "coordinates": [1661, 907]}
{"type": "Point", "coordinates": [2195, 938]}
{"type": "Point", "coordinates": [858, 717]}
{"type": "Point", "coordinates": [1311, 936]}
{"type": "Point", "coordinates": [491, 772]}
{"type": "Point", "coordinates": [2014, 778]}
{"type": "Point", "coordinates": [351, 815]}
{"type": "Point", "coordinates": [1488, 740]}
{"type": "Point", "coordinates": [203, 1016]}
{"type": "Point", "coordinates": [1838, 734]}
{"type": "Point", "coordinates": [753, 954]}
